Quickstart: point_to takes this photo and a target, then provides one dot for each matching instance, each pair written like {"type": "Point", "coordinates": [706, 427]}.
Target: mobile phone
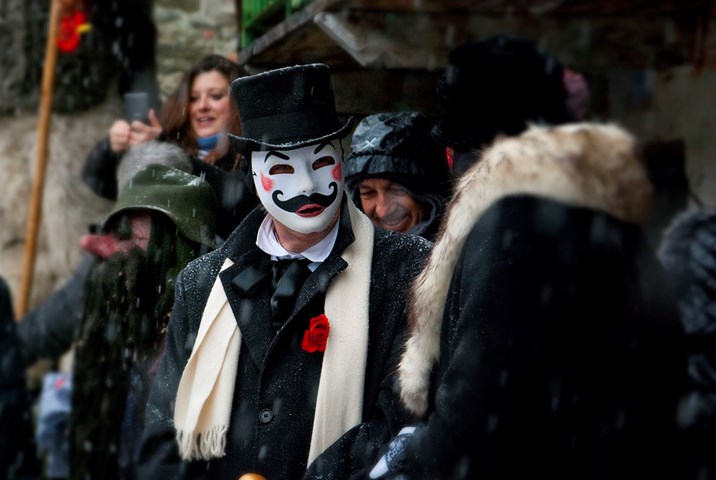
{"type": "Point", "coordinates": [136, 106]}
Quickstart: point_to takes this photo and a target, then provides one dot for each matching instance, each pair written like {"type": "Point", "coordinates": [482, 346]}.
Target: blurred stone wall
{"type": "Point", "coordinates": [189, 29]}
{"type": "Point", "coordinates": [68, 205]}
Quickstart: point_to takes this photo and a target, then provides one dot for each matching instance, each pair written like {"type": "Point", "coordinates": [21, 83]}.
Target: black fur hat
{"type": "Point", "coordinates": [286, 108]}
{"type": "Point", "coordinates": [497, 86]}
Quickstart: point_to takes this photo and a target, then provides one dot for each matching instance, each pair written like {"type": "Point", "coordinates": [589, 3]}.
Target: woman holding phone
{"type": "Point", "coordinates": [196, 116]}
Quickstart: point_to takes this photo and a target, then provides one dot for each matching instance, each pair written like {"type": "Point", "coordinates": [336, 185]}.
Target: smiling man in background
{"type": "Point", "coordinates": [397, 174]}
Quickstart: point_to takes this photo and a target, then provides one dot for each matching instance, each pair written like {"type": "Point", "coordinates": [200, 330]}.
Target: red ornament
{"type": "Point", "coordinates": [315, 338]}
{"type": "Point", "coordinates": [71, 26]}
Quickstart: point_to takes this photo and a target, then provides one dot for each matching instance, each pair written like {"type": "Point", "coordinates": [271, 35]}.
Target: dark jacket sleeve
{"type": "Point", "coordinates": [17, 448]}
{"type": "Point", "coordinates": [100, 170]}
{"type": "Point", "coordinates": [49, 330]}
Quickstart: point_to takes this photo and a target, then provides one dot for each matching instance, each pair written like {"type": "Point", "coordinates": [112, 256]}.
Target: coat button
{"type": "Point", "coordinates": [265, 415]}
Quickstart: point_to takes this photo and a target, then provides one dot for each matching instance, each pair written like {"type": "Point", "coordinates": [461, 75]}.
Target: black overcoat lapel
{"type": "Point", "coordinates": [252, 312]}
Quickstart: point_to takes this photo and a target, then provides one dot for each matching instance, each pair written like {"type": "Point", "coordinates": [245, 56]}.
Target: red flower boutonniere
{"type": "Point", "coordinates": [315, 338]}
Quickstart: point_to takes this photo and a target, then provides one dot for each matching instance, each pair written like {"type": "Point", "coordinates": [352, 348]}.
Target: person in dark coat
{"type": "Point", "coordinates": [114, 309]}
{"type": "Point", "coordinates": [396, 174]}
{"type": "Point", "coordinates": [544, 339]}
{"type": "Point", "coordinates": [499, 86]}
{"type": "Point", "coordinates": [49, 330]}
{"type": "Point", "coordinates": [163, 218]}
{"type": "Point", "coordinates": [196, 116]}
{"type": "Point", "coordinates": [282, 346]}
{"type": "Point", "coordinates": [688, 254]}
{"type": "Point", "coordinates": [18, 452]}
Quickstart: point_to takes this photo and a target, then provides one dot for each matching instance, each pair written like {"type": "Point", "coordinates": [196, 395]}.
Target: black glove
{"type": "Point", "coordinates": [393, 461]}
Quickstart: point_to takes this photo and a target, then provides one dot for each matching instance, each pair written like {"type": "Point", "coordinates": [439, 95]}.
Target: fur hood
{"type": "Point", "coordinates": [582, 164]}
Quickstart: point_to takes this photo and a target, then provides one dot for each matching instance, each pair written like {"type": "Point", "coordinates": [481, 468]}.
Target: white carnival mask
{"type": "Point", "coordinates": [301, 188]}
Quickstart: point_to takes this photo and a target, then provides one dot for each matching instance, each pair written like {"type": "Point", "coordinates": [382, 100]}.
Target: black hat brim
{"type": "Point", "coordinates": [246, 145]}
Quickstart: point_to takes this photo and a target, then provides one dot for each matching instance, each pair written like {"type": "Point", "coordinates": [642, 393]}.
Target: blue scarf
{"type": "Point", "coordinates": [208, 143]}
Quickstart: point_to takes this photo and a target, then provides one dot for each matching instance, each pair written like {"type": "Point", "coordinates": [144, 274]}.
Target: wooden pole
{"type": "Point", "coordinates": [43, 131]}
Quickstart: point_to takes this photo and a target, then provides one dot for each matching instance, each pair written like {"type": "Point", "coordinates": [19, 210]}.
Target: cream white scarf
{"type": "Point", "coordinates": [206, 389]}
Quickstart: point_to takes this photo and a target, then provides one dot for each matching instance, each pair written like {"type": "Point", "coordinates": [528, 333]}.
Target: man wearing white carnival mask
{"type": "Point", "coordinates": [283, 343]}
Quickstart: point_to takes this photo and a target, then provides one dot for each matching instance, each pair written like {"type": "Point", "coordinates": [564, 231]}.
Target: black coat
{"type": "Point", "coordinates": [275, 374]}
{"type": "Point", "coordinates": [559, 352]}
{"type": "Point", "coordinates": [570, 345]}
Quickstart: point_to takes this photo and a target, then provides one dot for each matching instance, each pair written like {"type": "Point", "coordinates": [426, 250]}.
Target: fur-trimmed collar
{"type": "Point", "coordinates": [584, 164]}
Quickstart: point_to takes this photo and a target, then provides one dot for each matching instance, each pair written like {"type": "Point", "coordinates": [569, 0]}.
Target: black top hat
{"type": "Point", "coordinates": [286, 108]}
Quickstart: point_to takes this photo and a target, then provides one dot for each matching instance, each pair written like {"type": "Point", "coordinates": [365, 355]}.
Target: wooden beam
{"type": "Point", "coordinates": [362, 92]}
{"type": "Point", "coordinates": [419, 41]}
{"type": "Point", "coordinates": [373, 47]}
{"type": "Point", "coordinates": [277, 36]}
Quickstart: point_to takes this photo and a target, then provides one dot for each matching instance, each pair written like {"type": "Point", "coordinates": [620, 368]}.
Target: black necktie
{"type": "Point", "coordinates": [287, 277]}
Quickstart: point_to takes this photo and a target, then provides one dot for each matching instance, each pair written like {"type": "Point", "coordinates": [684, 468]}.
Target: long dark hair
{"type": "Point", "coordinates": [174, 114]}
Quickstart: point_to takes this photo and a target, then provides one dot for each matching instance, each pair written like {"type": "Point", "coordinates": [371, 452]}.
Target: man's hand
{"type": "Point", "coordinates": [393, 461]}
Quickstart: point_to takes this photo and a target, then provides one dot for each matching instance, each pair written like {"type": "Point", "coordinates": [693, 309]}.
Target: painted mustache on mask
{"type": "Point", "coordinates": [294, 204]}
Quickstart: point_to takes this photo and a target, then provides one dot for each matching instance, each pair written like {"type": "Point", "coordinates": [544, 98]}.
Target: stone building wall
{"type": "Point", "coordinates": [189, 29]}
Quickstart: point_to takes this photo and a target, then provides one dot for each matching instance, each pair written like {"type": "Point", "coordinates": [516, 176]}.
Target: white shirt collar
{"type": "Point", "coordinates": [267, 241]}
